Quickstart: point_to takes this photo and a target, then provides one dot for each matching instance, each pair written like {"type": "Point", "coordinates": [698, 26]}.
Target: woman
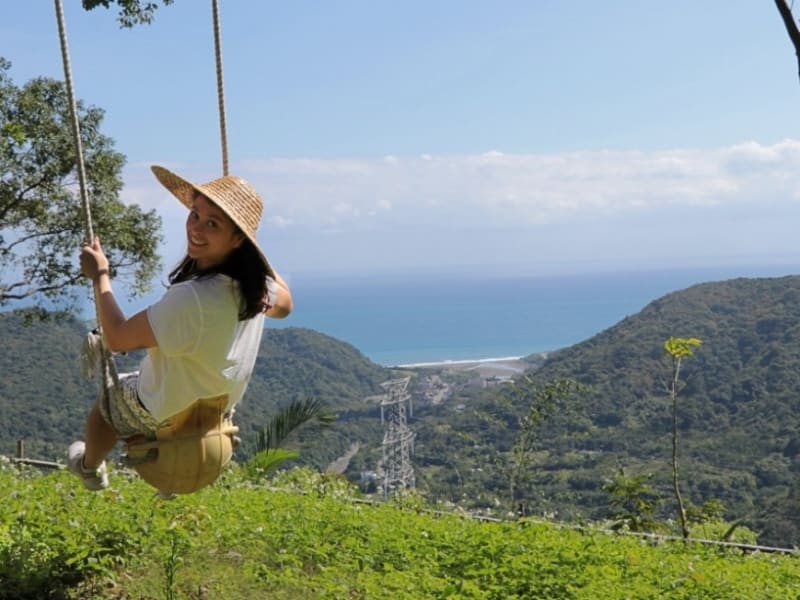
{"type": "Point", "coordinates": [202, 337]}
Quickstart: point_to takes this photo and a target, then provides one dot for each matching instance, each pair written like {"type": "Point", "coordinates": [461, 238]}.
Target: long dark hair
{"type": "Point", "coordinates": [244, 265]}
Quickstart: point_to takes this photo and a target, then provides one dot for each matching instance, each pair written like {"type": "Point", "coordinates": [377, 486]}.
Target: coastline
{"type": "Point", "coordinates": [459, 362]}
{"type": "Point", "coordinates": [501, 367]}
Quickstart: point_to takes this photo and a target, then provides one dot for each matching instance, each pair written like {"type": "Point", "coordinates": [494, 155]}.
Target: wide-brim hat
{"type": "Point", "coordinates": [233, 195]}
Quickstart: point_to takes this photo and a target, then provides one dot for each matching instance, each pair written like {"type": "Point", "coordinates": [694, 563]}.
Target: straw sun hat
{"type": "Point", "coordinates": [233, 195]}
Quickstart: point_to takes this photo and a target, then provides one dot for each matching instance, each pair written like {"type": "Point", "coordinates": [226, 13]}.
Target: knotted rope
{"type": "Point", "coordinates": [223, 133]}
{"type": "Point", "coordinates": [93, 350]}
{"type": "Point", "coordinates": [76, 132]}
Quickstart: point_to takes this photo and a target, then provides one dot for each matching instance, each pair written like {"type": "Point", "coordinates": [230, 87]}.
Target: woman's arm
{"type": "Point", "coordinates": [120, 333]}
{"type": "Point", "coordinates": [283, 304]}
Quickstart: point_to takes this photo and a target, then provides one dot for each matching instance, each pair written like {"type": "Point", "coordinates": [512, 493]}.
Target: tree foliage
{"type": "Point", "coordinates": [131, 12]}
{"type": "Point", "coordinates": [544, 401]}
{"type": "Point", "coordinates": [633, 502]}
{"type": "Point", "coordinates": [41, 214]}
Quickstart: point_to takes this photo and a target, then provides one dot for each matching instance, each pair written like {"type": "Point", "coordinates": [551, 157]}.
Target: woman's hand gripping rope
{"type": "Point", "coordinates": [93, 260]}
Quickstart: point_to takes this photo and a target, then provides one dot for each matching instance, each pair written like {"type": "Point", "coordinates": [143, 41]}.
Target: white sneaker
{"type": "Point", "coordinates": [96, 479]}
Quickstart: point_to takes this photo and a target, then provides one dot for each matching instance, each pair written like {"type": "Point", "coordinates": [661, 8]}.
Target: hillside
{"type": "Point", "coordinates": [740, 409]}
{"type": "Point", "coordinates": [44, 399]}
{"type": "Point", "coordinates": [739, 438]}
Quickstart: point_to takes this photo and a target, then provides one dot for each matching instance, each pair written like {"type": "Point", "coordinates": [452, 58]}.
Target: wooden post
{"type": "Point", "coordinates": [20, 448]}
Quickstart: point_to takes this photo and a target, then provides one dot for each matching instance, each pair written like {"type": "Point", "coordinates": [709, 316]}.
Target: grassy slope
{"type": "Point", "coordinates": [236, 540]}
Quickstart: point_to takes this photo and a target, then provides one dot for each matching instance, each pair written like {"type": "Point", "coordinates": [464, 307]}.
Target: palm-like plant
{"type": "Point", "coordinates": [269, 455]}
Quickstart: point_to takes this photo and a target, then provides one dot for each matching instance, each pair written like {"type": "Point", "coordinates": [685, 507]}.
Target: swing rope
{"type": "Point", "coordinates": [73, 109]}
{"type": "Point", "coordinates": [94, 350]}
{"type": "Point", "coordinates": [223, 133]}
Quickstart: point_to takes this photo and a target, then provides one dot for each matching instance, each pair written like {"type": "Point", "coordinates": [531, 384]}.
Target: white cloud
{"type": "Point", "coordinates": [513, 189]}
{"type": "Point", "coordinates": [279, 221]}
{"type": "Point", "coordinates": [594, 196]}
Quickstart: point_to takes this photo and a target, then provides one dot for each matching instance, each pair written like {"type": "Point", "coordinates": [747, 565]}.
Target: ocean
{"type": "Point", "coordinates": [405, 319]}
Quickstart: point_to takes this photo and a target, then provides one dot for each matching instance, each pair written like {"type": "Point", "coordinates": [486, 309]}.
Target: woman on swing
{"type": "Point", "coordinates": [201, 338]}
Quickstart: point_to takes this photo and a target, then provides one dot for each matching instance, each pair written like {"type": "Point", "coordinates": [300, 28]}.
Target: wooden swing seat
{"type": "Point", "coordinates": [189, 452]}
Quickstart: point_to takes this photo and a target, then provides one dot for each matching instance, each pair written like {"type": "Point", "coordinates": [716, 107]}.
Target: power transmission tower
{"type": "Point", "coordinates": [398, 439]}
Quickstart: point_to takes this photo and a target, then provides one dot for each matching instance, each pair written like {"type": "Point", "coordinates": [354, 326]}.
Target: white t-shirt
{"type": "Point", "coordinates": [204, 350]}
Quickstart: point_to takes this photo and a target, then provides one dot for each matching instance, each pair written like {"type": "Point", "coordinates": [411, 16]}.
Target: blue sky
{"type": "Point", "coordinates": [510, 136]}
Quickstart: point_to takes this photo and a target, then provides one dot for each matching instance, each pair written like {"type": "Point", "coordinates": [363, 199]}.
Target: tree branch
{"type": "Point", "coordinates": [4, 210]}
{"type": "Point", "coordinates": [791, 28]}
{"type": "Point", "coordinates": [5, 295]}
{"type": "Point", "coordinates": [32, 236]}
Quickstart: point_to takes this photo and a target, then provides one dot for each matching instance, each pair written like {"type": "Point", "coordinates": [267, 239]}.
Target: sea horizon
{"type": "Point", "coordinates": [438, 316]}
{"type": "Point", "coordinates": [439, 319]}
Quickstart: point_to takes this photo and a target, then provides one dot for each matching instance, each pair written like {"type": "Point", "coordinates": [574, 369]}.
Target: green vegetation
{"type": "Point", "coordinates": [269, 454]}
{"type": "Point", "coordinates": [544, 402]}
{"type": "Point", "coordinates": [738, 417]}
{"type": "Point", "coordinates": [239, 540]}
{"type": "Point", "coordinates": [130, 12]}
{"type": "Point", "coordinates": [738, 421]}
{"type": "Point", "coordinates": [633, 503]}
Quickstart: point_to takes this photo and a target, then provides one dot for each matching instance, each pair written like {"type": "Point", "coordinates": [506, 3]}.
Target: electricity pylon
{"type": "Point", "coordinates": [398, 439]}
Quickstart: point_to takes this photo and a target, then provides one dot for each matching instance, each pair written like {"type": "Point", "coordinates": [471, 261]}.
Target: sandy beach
{"type": "Point", "coordinates": [487, 367]}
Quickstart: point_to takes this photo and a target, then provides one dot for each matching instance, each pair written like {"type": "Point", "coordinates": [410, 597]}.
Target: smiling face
{"type": "Point", "coordinates": [210, 233]}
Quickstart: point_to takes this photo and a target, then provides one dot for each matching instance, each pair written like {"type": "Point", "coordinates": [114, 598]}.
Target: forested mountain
{"type": "Point", "coordinates": [739, 412]}
{"type": "Point", "coordinates": [44, 399]}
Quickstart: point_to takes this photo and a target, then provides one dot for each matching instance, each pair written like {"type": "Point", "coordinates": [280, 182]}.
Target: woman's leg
{"type": "Point", "coordinates": [100, 439]}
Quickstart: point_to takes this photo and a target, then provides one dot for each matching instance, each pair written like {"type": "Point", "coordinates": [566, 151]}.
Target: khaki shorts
{"type": "Point", "coordinates": [122, 410]}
